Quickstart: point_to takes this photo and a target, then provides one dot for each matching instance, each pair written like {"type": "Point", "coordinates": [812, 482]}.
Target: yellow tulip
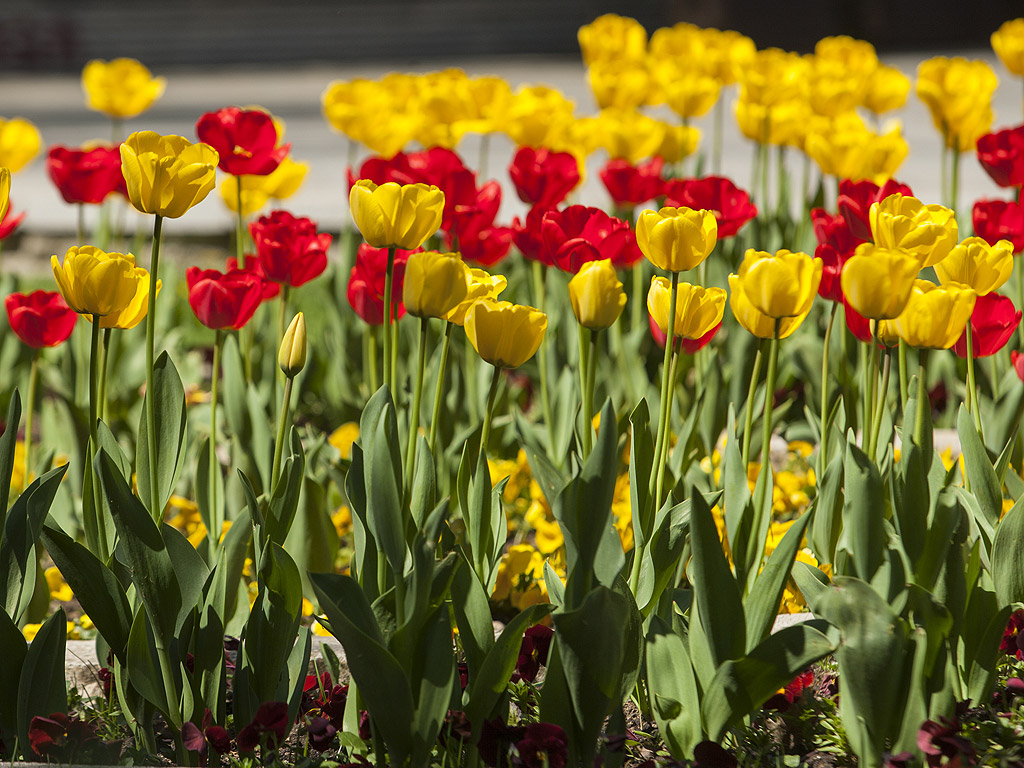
{"type": "Point", "coordinates": [612, 37]}
{"type": "Point", "coordinates": [832, 89]}
{"type": "Point", "coordinates": [482, 285]}
{"type": "Point", "coordinates": [285, 180]}
{"type": "Point", "coordinates": [5, 191]}
{"type": "Point", "coordinates": [726, 52]}
{"type": "Point", "coordinates": [536, 114]}
{"type": "Point", "coordinates": [842, 149]}
{"type": "Point", "coordinates": [772, 77]}
{"type": "Point", "coordinates": [936, 315]}
{"type": "Point", "coordinates": [596, 295]}
{"type": "Point", "coordinates": [254, 196]}
{"type": "Point", "coordinates": [622, 84]}
{"type": "Point", "coordinates": [120, 88]}
{"type": "Point", "coordinates": [19, 143]}
{"type": "Point", "coordinates": [291, 355]}
{"type": "Point", "coordinates": [782, 284]}
{"type": "Point", "coordinates": [753, 320]}
{"type": "Point", "coordinates": [698, 309]}
{"type": "Point", "coordinates": [877, 281]}
{"type": "Point", "coordinates": [858, 57]}
{"type": "Point", "coordinates": [682, 41]}
{"type": "Point", "coordinates": [435, 283]}
{"type": "Point", "coordinates": [93, 282]}
{"type": "Point", "coordinates": [687, 91]}
{"type": "Point", "coordinates": [503, 334]}
{"type": "Point", "coordinates": [975, 263]}
{"type": "Point", "coordinates": [167, 175]}
{"type": "Point", "coordinates": [676, 239]}
{"type": "Point", "coordinates": [886, 90]}
{"type": "Point", "coordinates": [1008, 43]}
{"type": "Point", "coordinates": [886, 153]}
{"type": "Point", "coordinates": [779, 124]}
{"type": "Point", "coordinates": [634, 136]}
{"type": "Point", "coordinates": [958, 93]}
{"type": "Point", "coordinates": [929, 232]}
{"type": "Point", "coordinates": [396, 215]}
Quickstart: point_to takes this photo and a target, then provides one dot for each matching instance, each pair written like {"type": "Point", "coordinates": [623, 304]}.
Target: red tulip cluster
{"type": "Point", "coordinates": [245, 139]}
{"type": "Point", "coordinates": [542, 178]}
{"type": "Point", "coordinates": [993, 323]}
{"type": "Point", "coordinates": [730, 204]}
{"type": "Point", "coordinates": [41, 318]}
{"type": "Point", "coordinates": [86, 175]}
{"type": "Point", "coordinates": [578, 234]}
{"type": "Point", "coordinates": [630, 185]}
{"type": "Point", "coordinates": [366, 283]}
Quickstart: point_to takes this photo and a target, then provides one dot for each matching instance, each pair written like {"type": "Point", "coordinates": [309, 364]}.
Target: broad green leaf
{"type": "Point", "coordinates": [472, 616]}
{"type": "Point", "coordinates": [1007, 562]}
{"type": "Point", "coordinates": [143, 665]}
{"type": "Point", "coordinates": [661, 560]}
{"type": "Point", "coordinates": [863, 512]}
{"type": "Point", "coordinates": [7, 443]}
{"type": "Point", "coordinates": [171, 419]}
{"type": "Point", "coordinates": [423, 497]}
{"type": "Point", "coordinates": [762, 604]}
{"type": "Point", "coordinates": [13, 649]}
{"type": "Point", "coordinates": [981, 477]}
{"type": "Point", "coordinates": [285, 501]}
{"type": "Point", "coordinates": [298, 664]}
{"type": "Point", "coordinates": [42, 688]}
{"type": "Point", "coordinates": [191, 571]}
{"type": "Point", "coordinates": [675, 697]}
{"type": "Point", "coordinates": [273, 624]}
{"type": "Point", "coordinates": [828, 510]}
{"type": "Point", "coordinates": [383, 472]}
{"type": "Point", "coordinates": [641, 464]}
{"type": "Point", "coordinates": [433, 677]}
{"type": "Point", "coordinates": [210, 494]}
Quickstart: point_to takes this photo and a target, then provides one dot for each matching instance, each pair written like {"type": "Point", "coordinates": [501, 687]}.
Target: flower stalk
{"type": "Point", "coordinates": [154, 493]}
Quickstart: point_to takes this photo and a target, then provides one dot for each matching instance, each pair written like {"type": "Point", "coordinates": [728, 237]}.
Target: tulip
{"type": "Point", "coordinates": [730, 204]}
{"type": "Point", "coordinates": [435, 283]}
{"type": "Point", "coordinates": [676, 239]}
{"type": "Point", "coordinates": [698, 310]}
{"type": "Point", "coordinates": [245, 190]}
{"type": "Point", "coordinates": [10, 222]}
{"type": "Point", "coordinates": [832, 261]}
{"type": "Point", "coordinates": [1008, 43]}
{"type": "Point", "coordinates": [633, 136]}
{"type": "Point", "coordinates": [397, 216]}
{"type": "Point", "coordinates": [578, 234]}
{"type": "Point", "coordinates": [121, 88]}
{"type": "Point", "coordinates": [753, 320]}
{"type": "Point", "coordinates": [886, 90]}
{"type": "Point", "coordinates": [935, 315]}
{"type": "Point", "coordinates": [381, 170]}
{"type": "Point", "coordinates": [246, 140]}
{"type": "Point", "coordinates": [444, 169]}
{"type": "Point", "coordinates": [780, 285]}
{"type": "Point", "coordinates": [503, 334]}
{"type": "Point", "coordinates": [958, 93]}
{"type": "Point", "coordinates": [291, 359]}
{"type": "Point", "coordinates": [833, 230]}
{"type": "Point", "coordinates": [5, 191]}
{"type": "Point", "coordinates": [687, 91]}
{"type": "Point", "coordinates": [19, 143]}
{"type": "Point", "coordinates": [689, 346]}
{"type": "Point", "coordinates": [977, 264]}
{"type": "Point", "coordinates": [621, 84]}
{"type": "Point", "coordinates": [473, 232]}
{"type": "Point", "coordinates": [929, 232]}
{"type": "Point", "coordinates": [86, 175]}
{"type": "Point", "coordinates": [167, 175]}
{"type": "Point", "coordinates": [41, 318]}
{"type": "Point", "coordinates": [100, 284]}
{"type": "Point", "coordinates": [596, 295]}
{"type": "Point", "coordinates": [877, 282]}
{"type": "Point", "coordinates": [855, 200]}
{"type": "Point", "coordinates": [1017, 362]}
{"type": "Point", "coordinates": [612, 37]}
{"type": "Point", "coordinates": [996, 220]}
{"type": "Point", "coordinates": [290, 249]}
{"type": "Point", "coordinates": [993, 322]}
{"type": "Point", "coordinates": [528, 238]}
{"type": "Point", "coordinates": [629, 185]}
{"type": "Point", "coordinates": [542, 177]}
{"type": "Point", "coordinates": [536, 117]}
{"type": "Point", "coordinates": [223, 299]}
{"type": "Point", "coordinates": [366, 283]}
{"type": "Point", "coordinates": [1001, 154]}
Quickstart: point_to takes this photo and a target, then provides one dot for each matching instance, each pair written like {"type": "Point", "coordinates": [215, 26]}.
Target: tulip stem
{"type": "Point", "coordinates": [662, 458]}
{"type": "Point", "coordinates": [414, 415]}
{"type": "Point", "coordinates": [33, 377]}
{"type": "Point", "coordinates": [823, 440]}
{"type": "Point", "coordinates": [588, 393]}
{"type": "Point", "coordinates": [213, 501]}
{"type": "Point", "coordinates": [922, 400]}
{"type": "Point", "coordinates": [492, 394]}
{"type": "Point", "coordinates": [388, 341]}
{"type": "Point", "coordinates": [542, 358]}
{"type": "Point", "coordinates": [904, 379]}
{"type": "Point", "coordinates": [584, 366]}
{"type": "Point", "coordinates": [104, 357]}
{"type": "Point", "coordinates": [665, 408]}
{"type": "Point", "coordinates": [769, 396]}
{"type": "Point", "coordinates": [748, 423]}
{"type": "Point", "coordinates": [239, 226]}
{"type": "Point", "coordinates": [954, 179]}
{"type": "Point", "coordinates": [371, 340]}
{"type": "Point", "coordinates": [439, 392]}
{"type": "Point", "coordinates": [716, 136]}
{"type": "Point", "coordinates": [154, 264]}
{"type": "Point", "coordinates": [880, 402]}
{"type": "Point", "coordinates": [100, 548]}
{"type": "Point", "coordinates": [282, 428]}
{"type": "Point", "coordinates": [973, 403]}
{"type": "Point", "coordinates": [636, 311]}
{"type": "Point", "coordinates": [81, 224]}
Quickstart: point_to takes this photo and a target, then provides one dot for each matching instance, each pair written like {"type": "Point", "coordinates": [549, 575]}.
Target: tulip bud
{"type": "Point", "coordinates": [676, 239]}
{"type": "Point", "coordinates": [5, 191]}
{"type": "Point", "coordinates": [596, 295]}
{"type": "Point", "coordinates": [292, 354]}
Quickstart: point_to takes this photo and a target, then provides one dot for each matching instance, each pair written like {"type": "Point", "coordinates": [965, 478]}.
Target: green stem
{"type": "Point", "coordinates": [542, 357]}
{"type": "Point", "coordinates": [636, 310]}
{"type": "Point", "coordinates": [904, 379]}
{"type": "Point", "coordinates": [769, 389]}
{"type": "Point", "coordinates": [81, 224]}
{"type": "Point", "coordinates": [665, 408]}
{"type": "Point", "coordinates": [154, 265]}
{"type": "Point", "coordinates": [880, 403]}
{"type": "Point", "coordinates": [492, 393]}
{"type": "Point", "coordinates": [868, 376]}
{"type": "Point", "coordinates": [823, 444]}
{"type": "Point", "coordinates": [104, 358]}
{"type": "Point", "coordinates": [954, 180]}
{"type": "Point", "coordinates": [33, 377]}
{"type": "Point", "coordinates": [755, 169]}
{"type": "Point", "coordinates": [922, 396]}
{"type": "Point", "coordinates": [417, 398]}
{"type": "Point", "coordinates": [435, 418]}
{"type": "Point", "coordinates": [588, 394]}
{"type": "Point", "coordinates": [218, 344]}
{"type": "Point", "coordinates": [239, 226]}
{"type": "Point", "coordinates": [748, 423]}
{"type": "Point", "coordinates": [584, 367]}
{"type": "Point", "coordinates": [97, 500]}
{"type": "Point", "coordinates": [371, 337]}
{"type": "Point", "coordinates": [389, 378]}
{"type": "Point", "coordinates": [282, 428]}
{"type": "Point", "coordinates": [662, 458]}
{"type": "Point", "coordinates": [973, 404]}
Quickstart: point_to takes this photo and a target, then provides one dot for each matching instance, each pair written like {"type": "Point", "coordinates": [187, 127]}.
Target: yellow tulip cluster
{"type": "Point", "coordinates": [958, 93]}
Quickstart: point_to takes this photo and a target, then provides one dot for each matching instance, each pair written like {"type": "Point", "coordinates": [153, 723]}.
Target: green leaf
{"type": "Point", "coordinates": [641, 463]}
{"type": "Point", "coordinates": [981, 476]}
{"type": "Point", "coordinates": [554, 586]}
{"type": "Point", "coordinates": [210, 494]}
{"type": "Point", "coordinates": [383, 468]}
{"type": "Point", "coordinates": [234, 400]}
{"type": "Point", "coordinates": [95, 586]}
{"type": "Point", "coordinates": [285, 501]}
{"type": "Point", "coordinates": [828, 509]}
{"type": "Point", "coordinates": [472, 616]}
{"type": "Point", "coordinates": [433, 677]}
{"type": "Point", "coordinates": [42, 688]}
{"type": "Point", "coordinates": [191, 571]}
{"type": "Point", "coordinates": [298, 664]}
{"type": "Point", "coordinates": [1007, 563]}
{"type": "Point", "coordinates": [171, 420]}
{"type": "Point", "coordinates": [273, 624]}
{"type": "Point", "coordinates": [7, 443]}
{"type": "Point", "coordinates": [143, 666]}
{"type": "Point", "coordinates": [674, 693]}
{"type": "Point", "coordinates": [863, 512]}
{"type": "Point", "coordinates": [13, 649]}
{"type": "Point", "coordinates": [661, 560]}
{"type": "Point", "coordinates": [762, 604]}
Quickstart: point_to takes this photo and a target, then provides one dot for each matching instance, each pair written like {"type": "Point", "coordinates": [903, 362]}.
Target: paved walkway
{"type": "Point", "coordinates": [55, 103]}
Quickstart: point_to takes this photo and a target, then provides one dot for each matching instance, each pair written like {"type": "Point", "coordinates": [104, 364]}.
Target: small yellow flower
{"type": "Point", "coordinates": [30, 631]}
{"type": "Point", "coordinates": [344, 437]}
{"type": "Point", "coordinates": [59, 589]}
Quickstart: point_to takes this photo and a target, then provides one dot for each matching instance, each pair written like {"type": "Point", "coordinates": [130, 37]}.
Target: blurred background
{"type": "Point", "coordinates": [59, 35]}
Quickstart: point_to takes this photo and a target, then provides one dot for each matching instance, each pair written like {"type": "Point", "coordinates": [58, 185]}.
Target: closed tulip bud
{"type": "Point", "coordinates": [698, 309]}
{"type": "Point", "coordinates": [5, 191]}
{"type": "Point", "coordinates": [782, 284]}
{"type": "Point", "coordinates": [676, 239]}
{"type": "Point", "coordinates": [109, 285]}
{"type": "Point", "coordinates": [19, 143]}
{"type": "Point", "coordinates": [977, 264]}
{"type": "Point", "coordinates": [482, 285]}
{"type": "Point", "coordinates": [396, 215]}
{"type": "Point", "coordinates": [596, 295]}
{"type": "Point", "coordinates": [503, 334]}
{"type": "Point", "coordinates": [291, 355]}
{"type": "Point", "coordinates": [753, 320]}
{"type": "Point", "coordinates": [120, 88]}
{"type": "Point", "coordinates": [1008, 43]}
{"type": "Point", "coordinates": [929, 232]}
{"type": "Point", "coordinates": [877, 281]}
{"type": "Point", "coordinates": [435, 283]}
{"type": "Point", "coordinates": [167, 175]}
{"type": "Point", "coordinates": [935, 315]}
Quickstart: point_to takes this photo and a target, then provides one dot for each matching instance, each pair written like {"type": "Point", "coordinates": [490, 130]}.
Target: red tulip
{"type": "Point", "coordinates": [380, 170]}
{"type": "Point", "coordinates": [473, 232]}
{"type": "Point", "coordinates": [993, 322]}
{"type": "Point", "coordinates": [579, 234]}
{"type": "Point", "coordinates": [730, 204]}
{"type": "Point", "coordinates": [10, 222]}
{"type": "Point", "coordinates": [268, 288]}
{"type": "Point", "coordinates": [223, 299]}
{"type": "Point", "coordinates": [858, 325]}
{"type": "Point", "coordinates": [855, 200]}
{"type": "Point", "coordinates": [527, 236]}
{"type": "Point", "coordinates": [689, 346]}
{"type": "Point", "coordinates": [366, 283]}
{"type": "Point", "coordinates": [1017, 361]}
{"type": "Point", "coordinates": [445, 170]}
{"type": "Point", "coordinates": [831, 268]}
{"type": "Point", "coordinates": [996, 220]}
{"type": "Point", "coordinates": [86, 175]}
{"type": "Point", "coordinates": [290, 249]}
{"type": "Point", "coordinates": [41, 318]}
{"type": "Point", "coordinates": [245, 139]}
{"type": "Point", "coordinates": [543, 178]}
{"type": "Point", "coordinates": [1001, 154]}
{"type": "Point", "coordinates": [834, 230]}
{"type": "Point", "coordinates": [630, 185]}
